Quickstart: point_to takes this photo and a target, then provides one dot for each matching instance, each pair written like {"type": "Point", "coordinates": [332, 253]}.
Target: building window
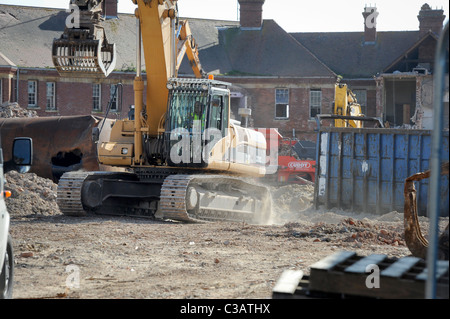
{"type": "Point", "coordinates": [282, 103]}
{"type": "Point", "coordinates": [361, 97]}
{"type": "Point", "coordinates": [96, 97]}
{"type": "Point", "coordinates": [32, 93]}
{"type": "Point", "coordinates": [51, 96]}
{"type": "Point", "coordinates": [114, 98]}
{"type": "Point", "coordinates": [315, 102]}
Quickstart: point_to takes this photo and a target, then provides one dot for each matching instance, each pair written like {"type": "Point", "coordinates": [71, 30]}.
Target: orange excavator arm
{"type": "Point", "coordinates": [187, 45]}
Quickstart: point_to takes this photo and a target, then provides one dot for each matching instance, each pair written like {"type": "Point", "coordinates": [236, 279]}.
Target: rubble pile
{"type": "Point", "coordinates": [292, 198]}
{"type": "Point", "coordinates": [10, 110]}
{"type": "Point", "coordinates": [31, 195]}
{"type": "Point", "coordinates": [349, 231]}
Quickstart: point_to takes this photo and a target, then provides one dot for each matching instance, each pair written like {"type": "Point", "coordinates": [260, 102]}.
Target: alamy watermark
{"type": "Point", "coordinates": [371, 19]}
{"type": "Point", "coordinates": [373, 280]}
{"type": "Point", "coordinates": [73, 278]}
{"type": "Point", "coordinates": [73, 19]}
{"type": "Point", "coordinates": [193, 146]}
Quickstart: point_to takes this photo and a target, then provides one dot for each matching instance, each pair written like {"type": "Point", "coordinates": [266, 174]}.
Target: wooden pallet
{"type": "Point", "coordinates": [347, 275]}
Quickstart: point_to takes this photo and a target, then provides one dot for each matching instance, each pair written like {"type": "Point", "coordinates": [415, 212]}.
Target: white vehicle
{"type": "Point", "coordinates": [22, 156]}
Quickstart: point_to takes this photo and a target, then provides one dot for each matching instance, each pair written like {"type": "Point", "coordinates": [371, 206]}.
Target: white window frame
{"type": "Point", "coordinates": [282, 99]}
{"type": "Point", "coordinates": [97, 97]}
{"type": "Point", "coordinates": [315, 102]}
{"type": "Point", "coordinates": [32, 96]}
{"type": "Point", "coordinates": [50, 103]}
{"type": "Point", "coordinates": [115, 102]}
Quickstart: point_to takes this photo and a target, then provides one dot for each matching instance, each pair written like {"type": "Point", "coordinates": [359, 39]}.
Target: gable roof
{"type": "Point", "coordinates": [347, 54]}
{"type": "Point", "coordinates": [412, 50]}
{"type": "Point", "coordinates": [26, 34]}
{"type": "Point", "coordinates": [269, 51]}
{"type": "Point", "coordinates": [4, 61]}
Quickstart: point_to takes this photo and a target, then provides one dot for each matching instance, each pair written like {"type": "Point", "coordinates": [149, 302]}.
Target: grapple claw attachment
{"type": "Point", "coordinates": [84, 51]}
{"type": "Point", "coordinates": [77, 56]}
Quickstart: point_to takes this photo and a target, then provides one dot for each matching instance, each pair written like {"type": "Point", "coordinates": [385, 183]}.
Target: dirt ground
{"type": "Point", "coordinates": [121, 257]}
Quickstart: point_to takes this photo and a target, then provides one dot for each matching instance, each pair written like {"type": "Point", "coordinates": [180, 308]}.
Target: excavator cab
{"type": "Point", "coordinates": [198, 113]}
{"type": "Point", "coordinates": [83, 50]}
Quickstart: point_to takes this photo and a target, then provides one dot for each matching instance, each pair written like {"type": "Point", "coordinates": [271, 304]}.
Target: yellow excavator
{"type": "Point", "coordinates": [185, 159]}
{"type": "Point", "coordinates": [346, 105]}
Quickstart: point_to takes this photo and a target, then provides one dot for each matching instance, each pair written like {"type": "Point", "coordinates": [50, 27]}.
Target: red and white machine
{"type": "Point", "coordinates": [296, 159]}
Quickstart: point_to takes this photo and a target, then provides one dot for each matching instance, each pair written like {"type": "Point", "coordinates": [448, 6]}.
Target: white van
{"type": "Point", "coordinates": [22, 156]}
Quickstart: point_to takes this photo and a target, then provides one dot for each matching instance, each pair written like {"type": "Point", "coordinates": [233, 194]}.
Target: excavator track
{"type": "Point", "coordinates": [185, 198]}
{"type": "Point", "coordinates": [69, 193]}
{"type": "Point", "coordinates": [194, 198]}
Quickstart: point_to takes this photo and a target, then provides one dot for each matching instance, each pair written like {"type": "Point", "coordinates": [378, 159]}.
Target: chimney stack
{"type": "Point", "coordinates": [251, 13]}
{"type": "Point", "coordinates": [430, 20]}
{"type": "Point", "coordinates": [370, 15]}
{"type": "Point", "coordinates": [110, 9]}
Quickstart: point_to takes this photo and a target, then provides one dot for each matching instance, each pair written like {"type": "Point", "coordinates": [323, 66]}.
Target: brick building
{"type": "Point", "coordinates": [285, 78]}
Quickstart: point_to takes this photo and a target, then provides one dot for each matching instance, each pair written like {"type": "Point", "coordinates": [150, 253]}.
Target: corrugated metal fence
{"type": "Point", "coordinates": [364, 170]}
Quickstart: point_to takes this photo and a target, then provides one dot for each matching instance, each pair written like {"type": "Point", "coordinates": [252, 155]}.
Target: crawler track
{"type": "Point", "coordinates": [191, 198]}
{"type": "Point", "coordinates": [186, 198]}
{"type": "Point", "coordinates": [69, 193]}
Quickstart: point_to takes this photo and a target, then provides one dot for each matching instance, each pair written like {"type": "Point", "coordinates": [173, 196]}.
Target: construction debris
{"type": "Point", "coordinates": [417, 243]}
{"type": "Point", "coordinates": [11, 110]}
{"type": "Point", "coordinates": [31, 195]}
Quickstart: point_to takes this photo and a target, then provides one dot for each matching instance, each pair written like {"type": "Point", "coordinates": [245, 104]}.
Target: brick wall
{"type": "Point", "coordinates": [7, 80]}
{"type": "Point", "coordinates": [73, 96]}
{"type": "Point", "coordinates": [261, 94]}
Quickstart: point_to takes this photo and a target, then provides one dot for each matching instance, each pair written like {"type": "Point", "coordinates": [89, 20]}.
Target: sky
{"type": "Point", "coordinates": [294, 15]}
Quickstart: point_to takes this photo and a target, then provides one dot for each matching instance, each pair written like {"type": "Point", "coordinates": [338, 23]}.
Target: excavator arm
{"type": "Point", "coordinates": [83, 51]}
{"type": "Point", "coordinates": [345, 104]}
{"type": "Point", "coordinates": [187, 45]}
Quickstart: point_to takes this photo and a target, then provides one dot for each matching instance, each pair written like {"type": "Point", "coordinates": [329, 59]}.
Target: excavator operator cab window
{"type": "Point", "coordinates": [187, 109]}
{"type": "Point", "coordinates": [218, 118]}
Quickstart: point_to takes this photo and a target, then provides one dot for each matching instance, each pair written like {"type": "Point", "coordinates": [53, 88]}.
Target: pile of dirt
{"type": "Point", "coordinates": [31, 195]}
{"type": "Point", "coordinates": [348, 230]}
{"type": "Point", "coordinates": [10, 110]}
{"type": "Point", "coordinates": [293, 208]}
{"type": "Point", "coordinates": [291, 199]}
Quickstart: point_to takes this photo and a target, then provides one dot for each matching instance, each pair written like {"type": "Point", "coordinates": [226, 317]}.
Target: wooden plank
{"type": "Point", "coordinates": [441, 269]}
{"type": "Point", "coordinates": [400, 267]}
{"type": "Point", "coordinates": [360, 266]}
{"type": "Point", "coordinates": [332, 261]}
{"type": "Point", "coordinates": [288, 282]}
{"type": "Point", "coordinates": [344, 274]}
